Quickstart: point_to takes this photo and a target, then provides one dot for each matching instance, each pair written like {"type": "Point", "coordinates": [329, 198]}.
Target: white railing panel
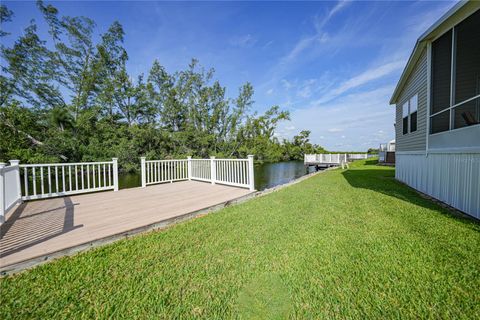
{"type": "Point", "coordinates": [161, 171]}
{"type": "Point", "coordinates": [234, 172]}
{"type": "Point", "coordinates": [326, 158]}
{"type": "Point", "coordinates": [201, 169]}
{"type": "Point", "coordinates": [62, 179]}
{"type": "Point", "coordinates": [357, 156]}
{"type": "Point", "coordinates": [10, 188]}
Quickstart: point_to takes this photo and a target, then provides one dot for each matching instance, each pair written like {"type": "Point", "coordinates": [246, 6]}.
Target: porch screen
{"type": "Point", "coordinates": [467, 71]}
{"type": "Point", "coordinates": [455, 99]}
{"type": "Point", "coordinates": [441, 78]}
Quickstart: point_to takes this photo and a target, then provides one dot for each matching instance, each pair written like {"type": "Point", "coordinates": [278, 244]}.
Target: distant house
{"type": "Point", "coordinates": [438, 111]}
{"type": "Point", "coordinates": [386, 152]}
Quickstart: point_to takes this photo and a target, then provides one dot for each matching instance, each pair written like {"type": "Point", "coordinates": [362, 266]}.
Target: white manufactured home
{"type": "Point", "coordinates": [437, 103]}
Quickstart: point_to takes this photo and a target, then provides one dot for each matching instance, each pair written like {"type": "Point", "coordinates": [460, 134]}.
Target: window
{"type": "Point", "coordinates": [413, 113]}
{"type": "Point", "coordinates": [405, 117]}
{"type": "Point", "coordinates": [409, 115]}
{"type": "Point", "coordinates": [455, 89]}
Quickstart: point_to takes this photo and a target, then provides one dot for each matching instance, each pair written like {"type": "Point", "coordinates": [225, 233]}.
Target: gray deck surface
{"type": "Point", "coordinates": [37, 228]}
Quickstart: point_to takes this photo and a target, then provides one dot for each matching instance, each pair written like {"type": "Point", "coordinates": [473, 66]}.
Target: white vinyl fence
{"type": "Point", "coordinates": [158, 171]}
{"type": "Point", "coordinates": [326, 158]}
{"type": "Point", "coordinates": [357, 156]}
{"type": "Point", "coordinates": [233, 172]}
{"type": "Point", "coordinates": [201, 169]}
{"type": "Point", "coordinates": [52, 180]}
{"type": "Point", "coordinates": [10, 193]}
{"type": "Point", "coordinates": [62, 179]}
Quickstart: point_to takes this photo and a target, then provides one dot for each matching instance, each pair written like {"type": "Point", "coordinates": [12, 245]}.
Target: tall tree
{"type": "Point", "coordinates": [70, 97]}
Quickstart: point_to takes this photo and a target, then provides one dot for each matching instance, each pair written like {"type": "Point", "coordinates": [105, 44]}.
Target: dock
{"type": "Point", "coordinates": [56, 209]}
{"type": "Point", "coordinates": [325, 160]}
{"type": "Point", "coordinates": [37, 230]}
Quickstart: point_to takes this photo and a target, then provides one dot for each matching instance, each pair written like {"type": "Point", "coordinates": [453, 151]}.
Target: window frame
{"type": "Point", "coordinates": [407, 104]}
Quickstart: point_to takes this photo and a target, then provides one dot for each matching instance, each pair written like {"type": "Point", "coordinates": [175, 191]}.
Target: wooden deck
{"type": "Point", "coordinates": [39, 228]}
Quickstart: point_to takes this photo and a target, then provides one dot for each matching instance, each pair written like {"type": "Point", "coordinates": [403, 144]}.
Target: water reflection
{"type": "Point", "coordinates": [267, 175]}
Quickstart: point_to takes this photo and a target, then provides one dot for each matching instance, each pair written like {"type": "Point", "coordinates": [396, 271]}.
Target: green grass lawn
{"type": "Point", "coordinates": [342, 244]}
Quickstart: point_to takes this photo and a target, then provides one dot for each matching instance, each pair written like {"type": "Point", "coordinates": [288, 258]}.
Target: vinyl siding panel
{"type": "Point", "coordinates": [416, 84]}
{"type": "Point", "coordinates": [449, 177]}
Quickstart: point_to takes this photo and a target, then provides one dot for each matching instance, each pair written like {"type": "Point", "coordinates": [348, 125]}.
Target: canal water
{"type": "Point", "coordinates": [267, 175]}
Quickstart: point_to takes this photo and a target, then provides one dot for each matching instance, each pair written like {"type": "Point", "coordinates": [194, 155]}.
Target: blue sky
{"type": "Point", "coordinates": [332, 64]}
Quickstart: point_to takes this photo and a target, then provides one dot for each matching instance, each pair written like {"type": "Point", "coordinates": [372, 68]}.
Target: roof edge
{"type": "Point", "coordinates": [421, 43]}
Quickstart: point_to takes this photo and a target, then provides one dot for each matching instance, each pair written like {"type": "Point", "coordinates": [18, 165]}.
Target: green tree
{"type": "Point", "coordinates": [74, 100]}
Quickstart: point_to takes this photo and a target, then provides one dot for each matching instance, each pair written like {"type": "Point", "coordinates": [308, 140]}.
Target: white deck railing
{"type": "Point", "coordinates": [357, 156]}
{"type": "Point", "coordinates": [53, 180]}
{"type": "Point", "coordinates": [10, 193]}
{"type": "Point", "coordinates": [62, 179]}
{"type": "Point", "coordinates": [326, 158]}
{"type": "Point", "coordinates": [158, 171]}
{"type": "Point", "coordinates": [233, 172]}
{"type": "Point", "coordinates": [201, 169]}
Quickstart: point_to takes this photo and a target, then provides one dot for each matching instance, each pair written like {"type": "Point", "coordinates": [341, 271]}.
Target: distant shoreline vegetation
{"type": "Point", "coordinates": [69, 98]}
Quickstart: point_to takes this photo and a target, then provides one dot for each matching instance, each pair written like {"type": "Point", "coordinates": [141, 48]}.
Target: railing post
{"type": "Point", "coordinates": [115, 174]}
{"type": "Point", "coordinates": [189, 168]}
{"type": "Point", "coordinates": [2, 193]}
{"type": "Point", "coordinates": [16, 163]}
{"type": "Point", "coordinates": [251, 179]}
{"type": "Point", "coordinates": [143, 172]}
{"type": "Point", "coordinates": [213, 169]}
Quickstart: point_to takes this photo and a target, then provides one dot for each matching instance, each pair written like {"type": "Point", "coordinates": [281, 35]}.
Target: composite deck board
{"type": "Point", "coordinates": [37, 228]}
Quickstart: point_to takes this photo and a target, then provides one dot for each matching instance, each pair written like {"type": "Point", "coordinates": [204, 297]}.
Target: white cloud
{"type": "Point", "coordinates": [298, 48]}
{"type": "Point", "coordinates": [268, 44]}
{"type": "Point", "coordinates": [287, 84]}
{"type": "Point", "coordinates": [347, 107]}
{"type": "Point", "coordinates": [305, 92]}
{"type": "Point", "coordinates": [243, 41]}
{"type": "Point", "coordinates": [358, 117]}
{"type": "Point", "coordinates": [320, 23]}
{"type": "Point", "coordinates": [363, 78]}
{"type": "Point", "coordinates": [319, 36]}
{"type": "Point", "coordinates": [269, 91]}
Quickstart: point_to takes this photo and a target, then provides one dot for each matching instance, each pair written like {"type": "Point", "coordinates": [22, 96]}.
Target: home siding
{"type": "Point", "coordinates": [416, 84]}
{"type": "Point", "coordinates": [453, 178]}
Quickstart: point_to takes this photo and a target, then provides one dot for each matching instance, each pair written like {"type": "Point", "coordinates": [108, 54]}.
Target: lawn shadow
{"type": "Point", "coordinates": [384, 181]}
{"type": "Point", "coordinates": [371, 161]}
{"type": "Point", "coordinates": [35, 222]}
